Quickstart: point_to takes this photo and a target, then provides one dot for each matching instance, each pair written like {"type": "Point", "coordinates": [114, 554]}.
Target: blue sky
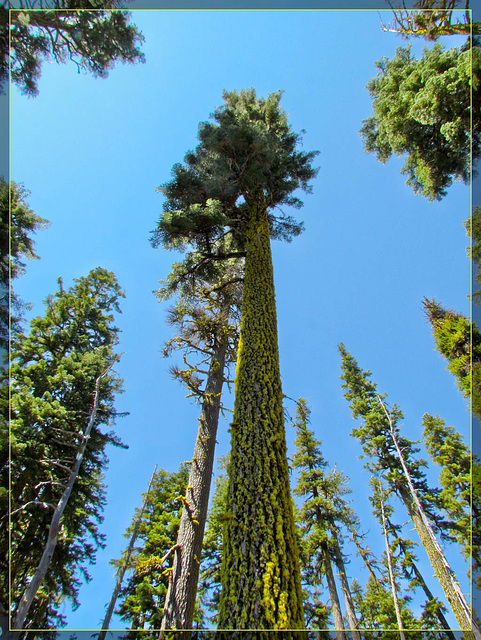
{"type": "Point", "coordinates": [92, 153]}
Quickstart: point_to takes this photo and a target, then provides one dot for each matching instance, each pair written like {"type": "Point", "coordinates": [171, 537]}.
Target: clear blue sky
{"type": "Point", "coordinates": [92, 153]}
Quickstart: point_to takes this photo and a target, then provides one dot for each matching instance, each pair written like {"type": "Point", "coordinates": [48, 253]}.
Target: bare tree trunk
{"type": "Point", "coordinates": [34, 585]}
{"type": "Point", "coordinates": [438, 560]}
{"type": "Point", "coordinates": [182, 590]}
{"type": "Point", "coordinates": [389, 564]}
{"type": "Point", "coordinates": [125, 564]}
{"type": "Point", "coordinates": [351, 615]}
{"type": "Point", "coordinates": [331, 583]}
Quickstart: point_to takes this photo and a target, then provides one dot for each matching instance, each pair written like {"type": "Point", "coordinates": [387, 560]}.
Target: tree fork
{"type": "Point", "coordinates": [261, 583]}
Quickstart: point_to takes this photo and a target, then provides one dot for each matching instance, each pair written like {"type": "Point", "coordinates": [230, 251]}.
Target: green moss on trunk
{"type": "Point", "coordinates": [261, 587]}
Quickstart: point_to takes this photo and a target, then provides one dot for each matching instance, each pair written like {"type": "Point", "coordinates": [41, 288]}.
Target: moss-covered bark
{"type": "Point", "coordinates": [261, 585]}
{"type": "Point", "coordinates": [444, 573]}
{"type": "Point", "coordinates": [181, 594]}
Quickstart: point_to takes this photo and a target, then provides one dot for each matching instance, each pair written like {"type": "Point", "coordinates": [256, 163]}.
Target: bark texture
{"type": "Point", "coordinates": [261, 583]}
{"type": "Point", "coordinates": [331, 583]}
{"type": "Point", "coordinates": [182, 590]}
{"type": "Point", "coordinates": [351, 615]}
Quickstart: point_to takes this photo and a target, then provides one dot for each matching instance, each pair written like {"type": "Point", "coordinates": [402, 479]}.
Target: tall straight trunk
{"type": "Point", "coordinates": [182, 590]}
{"type": "Point", "coordinates": [351, 615]}
{"type": "Point", "coordinates": [438, 560]}
{"type": "Point", "coordinates": [389, 564]}
{"type": "Point", "coordinates": [331, 583]}
{"type": "Point", "coordinates": [261, 580]}
{"type": "Point", "coordinates": [34, 585]}
{"type": "Point", "coordinates": [125, 563]}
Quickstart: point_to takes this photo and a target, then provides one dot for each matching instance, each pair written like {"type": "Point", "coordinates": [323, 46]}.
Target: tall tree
{"type": "Point", "coordinates": [142, 597]}
{"type": "Point", "coordinates": [63, 391]}
{"type": "Point", "coordinates": [393, 455]}
{"type": "Point", "coordinates": [247, 164]}
{"type": "Point", "coordinates": [323, 513]}
{"type": "Point", "coordinates": [423, 109]}
{"type": "Point", "coordinates": [94, 40]}
{"type": "Point", "coordinates": [207, 330]}
{"type": "Point", "coordinates": [18, 223]}
{"type": "Point", "coordinates": [459, 342]}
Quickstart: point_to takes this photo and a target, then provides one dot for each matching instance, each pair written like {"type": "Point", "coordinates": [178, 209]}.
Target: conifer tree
{"type": "Point", "coordinates": [323, 512]}
{"type": "Point", "coordinates": [17, 225]}
{"type": "Point", "coordinates": [422, 110]}
{"type": "Point", "coordinates": [448, 450]}
{"type": "Point", "coordinates": [459, 342]}
{"type": "Point", "coordinates": [393, 455]}
{"type": "Point", "coordinates": [245, 165]}
{"type": "Point", "coordinates": [93, 40]}
{"type": "Point", "coordinates": [63, 391]}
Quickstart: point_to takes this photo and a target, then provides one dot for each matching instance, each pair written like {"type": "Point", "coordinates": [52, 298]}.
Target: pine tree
{"type": "Point", "coordinates": [459, 341]}
{"type": "Point", "coordinates": [17, 225]}
{"type": "Point", "coordinates": [393, 456]}
{"type": "Point", "coordinates": [323, 513]}
{"type": "Point", "coordinates": [93, 40]}
{"type": "Point", "coordinates": [245, 165]}
{"type": "Point", "coordinates": [63, 389]}
{"type": "Point", "coordinates": [142, 598]}
{"type": "Point", "coordinates": [421, 109]}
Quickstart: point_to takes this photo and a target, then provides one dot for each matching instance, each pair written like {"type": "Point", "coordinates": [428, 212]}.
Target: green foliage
{"type": "Point", "coordinates": [142, 597]}
{"type": "Point", "coordinates": [421, 108]}
{"type": "Point", "coordinates": [16, 243]}
{"type": "Point", "coordinates": [459, 342]}
{"type": "Point", "coordinates": [53, 374]}
{"type": "Point", "coordinates": [93, 40]}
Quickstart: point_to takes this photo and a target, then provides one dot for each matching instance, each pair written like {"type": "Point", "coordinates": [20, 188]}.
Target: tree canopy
{"type": "Point", "coordinates": [94, 40]}
{"type": "Point", "coordinates": [422, 110]}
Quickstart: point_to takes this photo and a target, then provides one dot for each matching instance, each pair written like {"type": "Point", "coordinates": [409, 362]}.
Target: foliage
{"type": "Point", "coordinates": [17, 225]}
{"type": "Point", "coordinates": [473, 229]}
{"type": "Point", "coordinates": [421, 108]}
{"type": "Point", "coordinates": [93, 40]}
{"type": "Point", "coordinates": [449, 451]}
{"type": "Point", "coordinates": [143, 596]}
{"type": "Point", "coordinates": [459, 341]}
{"type": "Point", "coordinates": [53, 373]}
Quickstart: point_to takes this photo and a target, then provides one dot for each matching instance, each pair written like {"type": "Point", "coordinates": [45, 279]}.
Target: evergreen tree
{"type": "Point", "coordinates": [17, 225]}
{"type": "Point", "coordinates": [323, 513]}
{"type": "Point", "coordinates": [245, 165]}
{"type": "Point", "coordinates": [393, 456]}
{"type": "Point", "coordinates": [459, 341]}
{"type": "Point", "coordinates": [422, 109]}
{"type": "Point", "coordinates": [142, 598]}
{"type": "Point", "coordinates": [62, 392]}
{"type": "Point", "coordinates": [94, 40]}
{"type": "Point", "coordinates": [448, 450]}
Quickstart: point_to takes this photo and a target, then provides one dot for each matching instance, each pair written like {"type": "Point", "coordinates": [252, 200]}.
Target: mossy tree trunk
{"type": "Point", "coordinates": [182, 590]}
{"type": "Point", "coordinates": [261, 583]}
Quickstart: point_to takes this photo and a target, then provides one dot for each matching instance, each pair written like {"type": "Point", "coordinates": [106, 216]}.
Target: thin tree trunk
{"type": "Point", "coordinates": [182, 590]}
{"type": "Point", "coordinates": [261, 581]}
{"type": "Point", "coordinates": [363, 554]}
{"type": "Point", "coordinates": [125, 563]}
{"type": "Point", "coordinates": [331, 583]}
{"type": "Point", "coordinates": [429, 594]}
{"type": "Point", "coordinates": [389, 564]}
{"type": "Point", "coordinates": [351, 615]}
{"type": "Point", "coordinates": [441, 567]}
{"type": "Point", "coordinates": [34, 585]}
